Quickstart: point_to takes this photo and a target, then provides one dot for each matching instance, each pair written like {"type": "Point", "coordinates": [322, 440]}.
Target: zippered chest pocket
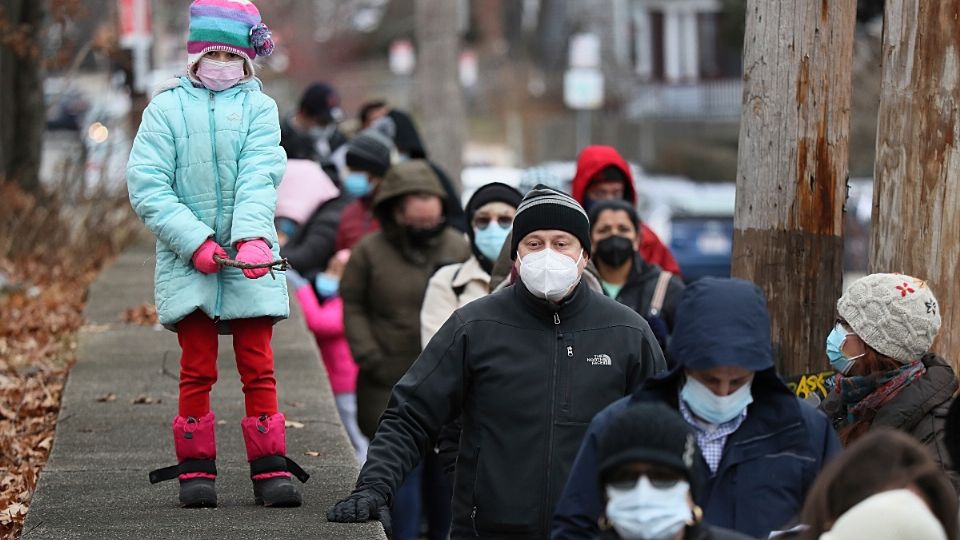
{"type": "Point", "coordinates": [592, 377]}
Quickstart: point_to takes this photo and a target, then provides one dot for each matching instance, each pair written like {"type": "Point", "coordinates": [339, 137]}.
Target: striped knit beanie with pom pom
{"type": "Point", "coordinates": [233, 26]}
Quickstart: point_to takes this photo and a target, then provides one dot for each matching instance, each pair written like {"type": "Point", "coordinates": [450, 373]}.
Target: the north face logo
{"type": "Point", "coordinates": [600, 360]}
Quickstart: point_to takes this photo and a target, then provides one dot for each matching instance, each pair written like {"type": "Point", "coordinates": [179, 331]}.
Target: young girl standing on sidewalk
{"type": "Point", "coordinates": [202, 175]}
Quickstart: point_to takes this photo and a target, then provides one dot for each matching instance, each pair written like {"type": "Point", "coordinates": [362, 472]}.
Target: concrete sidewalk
{"type": "Point", "coordinates": [95, 484]}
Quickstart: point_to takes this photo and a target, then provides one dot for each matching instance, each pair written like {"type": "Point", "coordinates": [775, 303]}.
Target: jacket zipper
{"type": "Point", "coordinates": [216, 175]}
{"type": "Point", "coordinates": [544, 518]}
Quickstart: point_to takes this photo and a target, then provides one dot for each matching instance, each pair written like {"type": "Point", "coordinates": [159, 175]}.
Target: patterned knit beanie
{"type": "Point", "coordinates": [895, 314]}
{"type": "Point", "coordinates": [227, 25]}
{"type": "Point", "coordinates": [544, 208]}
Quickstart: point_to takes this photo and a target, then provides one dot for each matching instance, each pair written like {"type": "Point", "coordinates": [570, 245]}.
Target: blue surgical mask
{"type": "Point", "coordinates": [357, 184]}
{"type": "Point", "coordinates": [326, 285]}
{"type": "Point", "coordinates": [490, 241]}
{"type": "Point", "coordinates": [647, 512]}
{"type": "Point", "coordinates": [711, 407]}
{"type": "Point", "coordinates": [839, 361]}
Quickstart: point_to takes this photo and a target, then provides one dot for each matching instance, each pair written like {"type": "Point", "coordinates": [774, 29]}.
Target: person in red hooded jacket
{"type": "Point", "coordinates": [602, 174]}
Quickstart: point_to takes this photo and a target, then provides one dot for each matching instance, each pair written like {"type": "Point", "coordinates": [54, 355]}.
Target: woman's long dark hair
{"type": "Point", "coordinates": [881, 460]}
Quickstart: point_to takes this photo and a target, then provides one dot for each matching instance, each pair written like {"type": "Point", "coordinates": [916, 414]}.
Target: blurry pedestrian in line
{"type": "Point", "coordinates": [526, 368]}
{"type": "Point", "coordinates": [651, 476]}
{"type": "Point", "coordinates": [887, 376]}
{"type": "Point", "coordinates": [762, 445]}
{"type": "Point", "coordinates": [602, 174]}
{"type": "Point", "coordinates": [399, 126]}
{"type": "Point", "coordinates": [651, 291]}
{"type": "Point", "coordinates": [382, 290]}
{"type": "Point", "coordinates": [368, 160]}
{"type": "Point", "coordinates": [323, 310]}
{"type": "Point", "coordinates": [312, 130]}
{"type": "Point", "coordinates": [371, 111]}
{"type": "Point", "coordinates": [202, 175]}
{"type": "Point", "coordinates": [490, 213]}
{"type": "Point", "coordinates": [882, 461]}
{"type": "Point", "coordinates": [304, 188]}
{"type": "Point", "coordinates": [307, 242]}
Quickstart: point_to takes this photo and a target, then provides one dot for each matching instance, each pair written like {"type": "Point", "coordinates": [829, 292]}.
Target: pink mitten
{"type": "Point", "coordinates": [254, 252]}
{"type": "Point", "coordinates": [203, 257]}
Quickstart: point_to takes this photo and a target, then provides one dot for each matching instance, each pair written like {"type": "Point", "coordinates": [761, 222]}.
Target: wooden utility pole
{"type": "Point", "coordinates": [439, 96]}
{"type": "Point", "coordinates": [792, 168]}
{"type": "Point", "coordinates": [916, 198]}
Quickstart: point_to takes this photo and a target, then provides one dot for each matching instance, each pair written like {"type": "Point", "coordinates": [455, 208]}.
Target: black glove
{"type": "Point", "coordinates": [360, 507]}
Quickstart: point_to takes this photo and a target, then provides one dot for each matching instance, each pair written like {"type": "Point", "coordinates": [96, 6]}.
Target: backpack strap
{"type": "Point", "coordinates": [457, 289]}
{"type": "Point", "coordinates": [660, 292]}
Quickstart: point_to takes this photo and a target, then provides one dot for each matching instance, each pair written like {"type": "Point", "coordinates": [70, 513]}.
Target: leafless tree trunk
{"type": "Point", "coordinates": [22, 113]}
{"type": "Point", "coordinates": [793, 167]}
{"type": "Point", "coordinates": [439, 96]}
{"type": "Point", "coordinates": [916, 201]}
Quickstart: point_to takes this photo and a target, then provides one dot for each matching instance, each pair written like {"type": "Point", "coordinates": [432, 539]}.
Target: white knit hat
{"type": "Point", "coordinates": [891, 515]}
{"type": "Point", "coordinates": [895, 314]}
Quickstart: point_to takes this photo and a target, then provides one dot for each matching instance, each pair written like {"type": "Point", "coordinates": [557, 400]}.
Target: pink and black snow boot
{"type": "Point", "coordinates": [270, 468]}
{"type": "Point", "coordinates": [195, 444]}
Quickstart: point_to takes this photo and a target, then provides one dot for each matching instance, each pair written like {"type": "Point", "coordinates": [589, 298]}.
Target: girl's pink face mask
{"type": "Point", "coordinates": [217, 75]}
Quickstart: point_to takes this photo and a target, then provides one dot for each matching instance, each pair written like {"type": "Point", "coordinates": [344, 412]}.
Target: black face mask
{"type": "Point", "coordinates": [614, 251]}
{"type": "Point", "coordinates": [420, 237]}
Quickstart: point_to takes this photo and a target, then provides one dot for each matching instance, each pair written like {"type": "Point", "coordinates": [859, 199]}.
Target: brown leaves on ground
{"type": "Point", "coordinates": [50, 252]}
{"type": "Point", "coordinates": [144, 315]}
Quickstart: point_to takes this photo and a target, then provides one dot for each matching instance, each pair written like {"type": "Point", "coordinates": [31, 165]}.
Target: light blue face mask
{"type": "Point", "coordinates": [711, 407]}
{"type": "Point", "coordinates": [357, 184]}
{"type": "Point", "coordinates": [839, 361]}
{"type": "Point", "coordinates": [490, 241]}
{"type": "Point", "coordinates": [327, 286]}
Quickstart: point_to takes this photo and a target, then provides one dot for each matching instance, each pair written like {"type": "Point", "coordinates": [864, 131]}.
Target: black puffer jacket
{"type": "Point", "coordinates": [310, 250]}
{"type": "Point", "coordinates": [527, 376]}
{"type": "Point", "coordinates": [920, 409]}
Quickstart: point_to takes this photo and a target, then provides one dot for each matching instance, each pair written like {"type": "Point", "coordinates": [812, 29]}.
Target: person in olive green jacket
{"type": "Point", "coordinates": [385, 280]}
{"type": "Point", "coordinates": [382, 289]}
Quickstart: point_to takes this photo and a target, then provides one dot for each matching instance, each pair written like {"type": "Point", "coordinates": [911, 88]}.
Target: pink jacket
{"type": "Point", "coordinates": [326, 322]}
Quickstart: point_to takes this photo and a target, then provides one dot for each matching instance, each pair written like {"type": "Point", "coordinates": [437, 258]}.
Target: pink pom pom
{"type": "Point", "coordinates": [261, 39]}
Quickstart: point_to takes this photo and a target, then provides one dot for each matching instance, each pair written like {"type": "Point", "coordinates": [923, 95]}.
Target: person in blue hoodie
{"type": "Point", "coordinates": [763, 446]}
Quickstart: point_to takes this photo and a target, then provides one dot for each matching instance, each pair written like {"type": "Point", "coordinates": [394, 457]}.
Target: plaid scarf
{"type": "Point", "coordinates": [871, 392]}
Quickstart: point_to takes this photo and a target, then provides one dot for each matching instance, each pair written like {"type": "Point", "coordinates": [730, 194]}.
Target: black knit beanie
{"type": "Point", "coordinates": [544, 208]}
{"type": "Point", "coordinates": [488, 193]}
{"type": "Point", "coordinates": [369, 151]}
{"type": "Point", "coordinates": [652, 433]}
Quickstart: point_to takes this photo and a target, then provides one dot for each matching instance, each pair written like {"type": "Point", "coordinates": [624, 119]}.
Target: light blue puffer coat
{"type": "Point", "coordinates": [206, 164]}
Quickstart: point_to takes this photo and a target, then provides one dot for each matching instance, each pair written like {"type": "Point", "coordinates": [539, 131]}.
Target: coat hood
{"type": "Point", "coordinates": [722, 322]}
{"type": "Point", "coordinates": [415, 176]}
{"type": "Point", "coordinates": [405, 135]}
{"type": "Point", "coordinates": [594, 159]}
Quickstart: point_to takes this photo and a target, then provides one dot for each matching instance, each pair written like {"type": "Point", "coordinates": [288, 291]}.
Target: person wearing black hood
{"type": "Point", "coordinates": [490, 213]}
{"type": "Point", "coordinates": [624, 274]}
{"type": "Point", "coordinates": [763, 446]}
{"type": "Point", "coordinates": [651, 477]}
{"type": "Point", "coordinates": [399, 125]}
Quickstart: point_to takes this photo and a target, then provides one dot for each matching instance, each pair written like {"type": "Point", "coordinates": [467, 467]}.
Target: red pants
{"type": "Point", "coordinates": [197, 334]}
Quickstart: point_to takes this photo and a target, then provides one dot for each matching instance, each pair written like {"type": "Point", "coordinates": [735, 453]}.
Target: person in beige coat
{"type": "Point", "coordinates": [490, 214]}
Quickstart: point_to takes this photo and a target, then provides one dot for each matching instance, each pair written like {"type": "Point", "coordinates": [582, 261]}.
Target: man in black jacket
{"type": "Point", "coordinates": [526, 368]}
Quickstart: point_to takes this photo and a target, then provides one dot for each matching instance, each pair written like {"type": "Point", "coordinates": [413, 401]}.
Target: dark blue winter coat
{"type": "Point", "coordinates": [768, 464]}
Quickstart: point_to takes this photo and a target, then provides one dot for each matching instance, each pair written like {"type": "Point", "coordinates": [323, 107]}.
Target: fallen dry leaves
{"type": "Point", "coordinates": [47, 271]}
{"type": "Point", "coordinates": [144, 315]}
